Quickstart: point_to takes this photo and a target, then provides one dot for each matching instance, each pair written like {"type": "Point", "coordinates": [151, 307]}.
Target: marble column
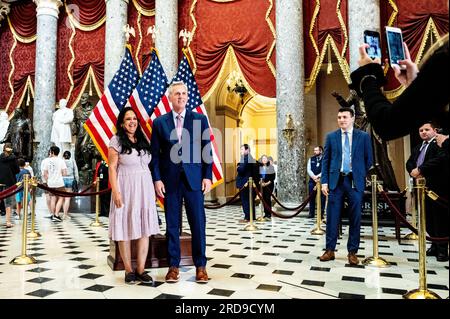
{"type": "Point", "coordinates": [166, 22]}
{"type": "Point", "coordinates": [45, 77]}
{"type": "Point", "coordinates": [290, 101]}
{"type": "Point", "coordinates": [362, 15]}
{"type": "Point", "coordinates": [115, 40]}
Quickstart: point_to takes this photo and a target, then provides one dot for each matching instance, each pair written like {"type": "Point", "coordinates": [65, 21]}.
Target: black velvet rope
{"type": "Point", "coordinates": [403, 219]}
{"type": "Point", "coordinates": [300, 207]}
{"type": "Point", "coordinates": [292, 208]}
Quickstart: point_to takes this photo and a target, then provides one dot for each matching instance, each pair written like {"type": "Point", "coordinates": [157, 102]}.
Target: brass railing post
{"type": "Point", "coordinates": [33, 233]}
{"type": "Point", "coordinates": [97, 223]}
{"type": "Point", "coordinates": [411, 235]}
{"type": "Point", "coordinates": [375, 260]}
{"type": "Point", "coordinates": [317, 229]}
{"type": "Point", "coordinates": [422, 292]}
{"type": "Point", "coordinates": [24, 259]}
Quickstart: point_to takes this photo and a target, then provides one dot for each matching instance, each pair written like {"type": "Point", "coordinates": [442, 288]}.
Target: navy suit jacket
{"type": "Point", "coordinates": [332, 158]}
{"type": "Point", "coordinates": [193, 155]}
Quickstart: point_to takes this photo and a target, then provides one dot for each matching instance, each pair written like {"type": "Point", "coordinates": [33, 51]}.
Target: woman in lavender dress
{"type": "Point", "coordinates": [133, 210]}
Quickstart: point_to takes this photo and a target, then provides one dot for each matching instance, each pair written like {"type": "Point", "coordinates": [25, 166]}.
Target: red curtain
{"type": "Point", "coordinates": [412, 17]}
{"type": "Point", "coordinates": [23, 55]}
{"type": "Point", "coordinates": [87, 12]}
{"type": "Point", "coordinates": [141, 44]}
{"type": "Point", "coordinates": [25, 27]}
{"type": "Point", "coordinates": [320, 21]}
{"type": "Point", "coordinates": [6, 42]}
{"type": "Point", "coordinates": [220, 25]}
{"type": "Point", "coordinates": [85, 50]}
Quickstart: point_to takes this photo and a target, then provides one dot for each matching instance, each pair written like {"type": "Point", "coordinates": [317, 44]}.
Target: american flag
{"type": "Point", "coordinates": [194, 104]}
{"type": "Point", "coordinates": [101, 124]}
{"type": "Point", "coordinates": [148, 93]}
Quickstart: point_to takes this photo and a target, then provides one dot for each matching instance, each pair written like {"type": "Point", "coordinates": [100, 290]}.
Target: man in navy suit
{"type": "Point", "coordinates": [346, 160]}
{"type": "Point", "coordinates": [182, 169]}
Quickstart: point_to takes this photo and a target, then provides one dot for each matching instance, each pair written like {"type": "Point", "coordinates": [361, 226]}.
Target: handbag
{"type": "Point", "coordinates": [75, 186]}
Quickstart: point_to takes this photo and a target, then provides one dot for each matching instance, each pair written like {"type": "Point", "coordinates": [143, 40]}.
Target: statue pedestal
{"type": "Point", "coordinates": [157, 253]}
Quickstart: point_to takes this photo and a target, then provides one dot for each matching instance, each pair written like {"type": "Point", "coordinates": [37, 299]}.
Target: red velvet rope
{"type": "Point", "coordinates": [71, 194]}
{"type": "Point", "coordinates": [403, 219]}
{"type": "Point", "coordinates": [291, 208]}
{"type": "Point", "coordinates": [10, 191]}
{"type": "Point", "coordinates": [301, 207]}
{"type": "Point", "coordinates": [226, 203]}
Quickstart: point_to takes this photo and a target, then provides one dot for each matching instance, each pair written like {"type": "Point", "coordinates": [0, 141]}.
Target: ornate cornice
{"type": "Point", "coordinates": [48, 7]}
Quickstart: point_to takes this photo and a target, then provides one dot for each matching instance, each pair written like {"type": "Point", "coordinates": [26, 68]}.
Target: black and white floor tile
{"type": "Point", "coordinates": [279, 260]}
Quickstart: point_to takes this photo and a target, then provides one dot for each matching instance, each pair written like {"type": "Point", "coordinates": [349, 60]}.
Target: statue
{"type": "Point", "coordinates": [382, 165]}
{"type": "Point", "coordinates": [4, 123]}
{"type": "Point", "coordinates": [85, 149]}
{"type": "Point", "coordinates": [61, 133]}
{"type": "Point", "coordinates": [20, 135]}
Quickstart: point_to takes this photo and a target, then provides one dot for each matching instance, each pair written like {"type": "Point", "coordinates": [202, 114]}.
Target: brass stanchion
{"type": "Point", "coordinates": [261, 205]}
{"type": "Point", "coordinates": [24, 259]}
{"type": "Point", "coordinates": [250, 227]}
{"type": "Point", "coordinates": [97, 223]}
{"type": "Point", "coordinates": [412, 236]}
{"type": "Point", "coordinates": [422, 292]}
{"type": "Point", "coordinates": [33, 234]}
{"type": "Point", "coordinates": [318, 230]}
{"type": "Point", "coordinates": [375, 260]}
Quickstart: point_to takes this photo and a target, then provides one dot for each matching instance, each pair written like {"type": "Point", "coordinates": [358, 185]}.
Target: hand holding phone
{"type": "Point", "coordinates": [372, 39]}
{"type": "Point", "coordinates": [396, 52]}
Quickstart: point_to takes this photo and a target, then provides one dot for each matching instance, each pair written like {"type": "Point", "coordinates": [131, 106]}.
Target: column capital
{"type": "Point", "coordinates": [48, 7]}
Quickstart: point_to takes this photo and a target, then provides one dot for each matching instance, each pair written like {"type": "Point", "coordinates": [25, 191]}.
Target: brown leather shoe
{"type": "Point", "coordinates": [173, 275]}
{"type": "Point", "coordinates": [327, 255]}
{"type": "Point", "coordinates": [201, 275]}
{"type": "Point", "coordinates": [352, 259]}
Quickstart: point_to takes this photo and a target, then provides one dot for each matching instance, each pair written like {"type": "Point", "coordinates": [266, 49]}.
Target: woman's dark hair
{"type": "Point", "coordinates": [127, 145]}
{"type": "Point", "coordinates": [66, 155]}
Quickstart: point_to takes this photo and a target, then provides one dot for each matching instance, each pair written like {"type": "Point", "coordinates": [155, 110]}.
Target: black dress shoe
{"type": "Point", "coordinates": [432, 251]}
{"type": "Point", "coordinates": [442, 257]}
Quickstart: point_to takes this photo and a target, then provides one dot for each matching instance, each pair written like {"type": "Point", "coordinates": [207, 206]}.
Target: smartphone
{"type": "Point", "coordinates": [372, 38]}
{"type": "Point", "coordinates": [394, 40]}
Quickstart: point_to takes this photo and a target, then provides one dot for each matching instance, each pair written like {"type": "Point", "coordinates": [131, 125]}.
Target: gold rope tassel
{"type": "Point", "coordinates": [330, 65]}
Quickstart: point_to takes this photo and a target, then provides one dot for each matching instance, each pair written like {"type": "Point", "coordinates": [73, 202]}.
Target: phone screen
{"type": "Point", "coordinates": [395, 47]}
{"type": "Point", "coordinates": [374, 49]}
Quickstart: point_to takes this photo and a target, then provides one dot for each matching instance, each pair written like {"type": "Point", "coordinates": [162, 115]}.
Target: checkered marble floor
{"type": "Point", "coordinates": [280, 260]}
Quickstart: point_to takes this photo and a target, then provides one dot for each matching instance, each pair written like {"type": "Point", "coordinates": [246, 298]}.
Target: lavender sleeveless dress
{"type": "Point", "coordinates": [137, 217]}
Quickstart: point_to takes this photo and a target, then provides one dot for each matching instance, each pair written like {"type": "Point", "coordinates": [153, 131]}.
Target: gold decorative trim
{"type": "Point", "coordinates": [393, 94]}
{"type": "Point", "coordinates": [11, 73]}
{"type": "Point", "coordinates": [72, 60]}
{"type": "Point", "coordinates": [18, 37]}
{"type": "Point", "coordinates": [223, 1]}
{"type": "Point", "coordinates": [84, 27]}
{"type": "Point", "coordinates": [194, 29]}
{"type": "Point", "coordinates": [139, 43]}
{"type": "Point", "coordinates": [89, 76]}
{"type": "Point", "coordinates": [145, 12]}
{"type": "Point", "coordinates": [28, 86]}
{"type": "Point", "coordinates": [313, 24]}
{"type": "Point", "coordinates": [431, 28]}
{"type": "Point", "coordinates": [343, 64]}
{"type": "Point", "coordinates": [343, 27]}
{"type": "Point", "coordinates": [394, 13]}
{"type": "Point", "coordinates": [329, 41]}
{"type": "Point", "coordinates": [272, 47]}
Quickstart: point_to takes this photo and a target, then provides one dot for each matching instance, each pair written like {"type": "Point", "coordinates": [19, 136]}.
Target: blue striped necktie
{"type": "Point", "coordinates": [346, 164]}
